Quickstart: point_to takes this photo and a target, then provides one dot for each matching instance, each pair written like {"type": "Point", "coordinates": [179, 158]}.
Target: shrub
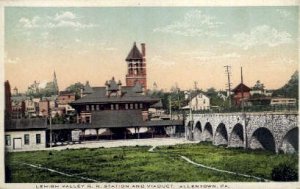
{"type": "Point", "coordinates": [284, 172]}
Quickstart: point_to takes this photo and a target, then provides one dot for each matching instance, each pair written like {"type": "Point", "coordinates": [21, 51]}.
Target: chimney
{"type": "Point", "coordinates": [143, 49]}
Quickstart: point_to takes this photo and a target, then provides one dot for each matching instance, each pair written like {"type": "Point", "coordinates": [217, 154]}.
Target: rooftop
{"type": "Point", "coordinates": [107, 94]}
{"type": "Point", "coordinates": [134, 54]}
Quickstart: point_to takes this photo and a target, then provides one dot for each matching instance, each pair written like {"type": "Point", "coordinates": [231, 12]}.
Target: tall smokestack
{"type": "Point", "coordinates": [242, 75]}
{"type": "Point", "coordinates": [143, 49]}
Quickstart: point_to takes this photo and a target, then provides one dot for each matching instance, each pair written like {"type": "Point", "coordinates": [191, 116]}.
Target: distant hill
{"type": "Point", "coordinates": [290, 89]}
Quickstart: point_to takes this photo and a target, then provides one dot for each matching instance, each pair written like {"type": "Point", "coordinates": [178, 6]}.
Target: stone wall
{"type": "Point", "coordinates": [271, 131]}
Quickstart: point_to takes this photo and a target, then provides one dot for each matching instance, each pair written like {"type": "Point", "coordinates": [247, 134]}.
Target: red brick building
{"type": "Point", "coordinates": [65, 97]}
{"type": "Point", "coordinates": [136, 64]}
{"type": "Point", "coordinates": [241, 93]}
{"type": "Point", "coordinates": [8, 108]}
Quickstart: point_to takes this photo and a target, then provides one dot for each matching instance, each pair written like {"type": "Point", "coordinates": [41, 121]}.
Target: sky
{"type": "Point", "coordinates": [183, 45]}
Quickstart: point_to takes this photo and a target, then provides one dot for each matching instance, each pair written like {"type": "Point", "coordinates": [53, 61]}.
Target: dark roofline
{"type": "Point", "coordinates": [241, 85]}
{"type": "Point", "coordinates": [134, 54]}
{"type": "Point", "coordinates": [114, 101]}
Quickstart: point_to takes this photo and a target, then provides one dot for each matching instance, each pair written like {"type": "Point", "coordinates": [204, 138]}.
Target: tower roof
{"type": "Point", "coordinates": [241, 87]}
{"type": "Point", "coordinates": [87, 88]}
{"type": "Point", "coordinates": [134, 54]}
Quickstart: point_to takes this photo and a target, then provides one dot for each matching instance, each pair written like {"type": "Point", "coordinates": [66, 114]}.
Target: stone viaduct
{"type": "Point", "coordinates": [270, 131]}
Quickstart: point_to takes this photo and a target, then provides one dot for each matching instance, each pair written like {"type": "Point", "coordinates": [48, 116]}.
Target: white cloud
{"type": "Point", "coordinates": [30, 23]}
{"type": "Point", "coordinates": [261, 35]}
{"type": "Point", "coordinates": [65, 15]}
{"type": "Point", "coordinates": [63, 20]}
{"type": "Point", "coordinates": [194, 23]}
{"type": "Point", "coordinates": [284, 60]}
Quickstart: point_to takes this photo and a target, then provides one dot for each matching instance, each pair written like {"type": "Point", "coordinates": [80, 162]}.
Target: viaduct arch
{"type": "Point", "coordinates": [268, 131]}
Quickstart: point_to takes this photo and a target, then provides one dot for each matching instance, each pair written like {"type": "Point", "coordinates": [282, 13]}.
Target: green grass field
{"type": "Point", "coordinates": [136, 164]}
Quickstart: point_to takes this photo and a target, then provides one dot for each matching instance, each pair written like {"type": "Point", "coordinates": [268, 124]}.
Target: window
{"type": "Point", "coordinates": [87, 108]}
{"type": "Point", "coordinates": [117, 106]}
{"type": "Point", "coordinates": [7, 140]}
{"type": "Point", "coordinates": [112, 107]}
{"type": "Point", "coordinates": [141, 106]}
{"type": "Point", "coordinates": [97, 107]}
{"type": "Point", "coordinates": [131, 106]}
{"type": "Point", "coordinates": [92, 107]}
{"type": "Point", "coordinates": [126, 106]}
{"type": "Point", "coordinates": [26, 139]}
{"type": "Point", "coordinates": [136, 106]}
{"type": "Point", "coordinates": [38, 138]}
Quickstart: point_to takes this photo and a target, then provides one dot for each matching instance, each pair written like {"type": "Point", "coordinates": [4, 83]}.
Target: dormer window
{"type": "Point", "coordinates": [113, 88]}
{"type": "Point", "coordinates": [87, 108]}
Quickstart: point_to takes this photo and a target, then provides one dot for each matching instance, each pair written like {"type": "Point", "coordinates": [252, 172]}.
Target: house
{"type": "Point", "coordinates": [241, 93]}
{"type": "Point", "coordinates": [30, 108]}
{"type": "Point", "coordinates": [262, 92]}
{"type": "Point", "coordinates": [198, 102]}
{"type": "Point", "coordinates": [63, 100]}
{"type": "Point", "coordinates": [18, 106]}
{"type": "Point", "coordinates": [25, 134]}
{"type": "Point", "coordinates": [52, 101]}
{"type": "Point", "coordinates": [283, 101]}
{"type": "Point", "coordinates": [44, 108]}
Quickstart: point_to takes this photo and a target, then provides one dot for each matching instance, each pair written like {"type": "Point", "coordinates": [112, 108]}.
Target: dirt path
{"type": "Point", "coordinates": [59, 172]}
{"type": "Point", "coordinates": [216, 169]}
{"type": "Point", "coordinates": [223, 171]}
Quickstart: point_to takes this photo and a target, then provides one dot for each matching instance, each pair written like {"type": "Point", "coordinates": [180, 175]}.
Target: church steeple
{"type": "Point", "coordinates": [136, 63]}
{"type": "Point", "coordinates": [55, 83]}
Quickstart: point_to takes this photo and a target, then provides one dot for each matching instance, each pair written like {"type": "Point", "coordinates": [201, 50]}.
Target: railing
{"type": "Point", "coordinates": [256, 108]}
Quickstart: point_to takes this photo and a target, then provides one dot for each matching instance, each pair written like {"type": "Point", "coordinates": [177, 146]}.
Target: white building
{"type": "Point", "coordinates": [199, 102]}
{"type": "Point", "coordinates": [25, 134]}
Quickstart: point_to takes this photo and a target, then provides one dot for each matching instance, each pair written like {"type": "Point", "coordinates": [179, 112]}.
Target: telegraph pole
{"type": "Point", "coordinates": [50, 122]}
{"type": "Point", "coordinates": [228, 73]}
{"type": "Point", "coordinates": [170, 106]}
{"type": "Point", "coordinates": [243, 111]}
{"type": "Point", "coordinates": [242, 82]}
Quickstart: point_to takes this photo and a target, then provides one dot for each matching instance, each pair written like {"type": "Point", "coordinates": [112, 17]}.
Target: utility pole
{"type": "Point", "coordinates": [243, 110]}
{"type": "Point", "coordinates": [242, 90]}
{"type": "Point", "coordinates": [170, 106]}
{"type": "Point", "coordinates": [228, 85]}
{"type": "Point", "coordinates": [50, 121]}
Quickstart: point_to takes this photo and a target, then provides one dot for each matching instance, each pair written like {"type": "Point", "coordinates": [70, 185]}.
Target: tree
{"type": "Point", "coordinates": [285, 172]}
{"type": "Point", "coordinates": [290, 89]}
{"type": "Point", "coordinates": [75, 88]}
{"type": "Point", "coordinates": [258, 86]}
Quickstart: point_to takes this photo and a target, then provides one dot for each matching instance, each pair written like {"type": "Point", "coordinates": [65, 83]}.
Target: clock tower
{"type": "Point", "coordinates": [136, 66]}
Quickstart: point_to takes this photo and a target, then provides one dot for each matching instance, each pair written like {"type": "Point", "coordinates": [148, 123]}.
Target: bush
{"type": "Point", "coordinates": [284, 172]}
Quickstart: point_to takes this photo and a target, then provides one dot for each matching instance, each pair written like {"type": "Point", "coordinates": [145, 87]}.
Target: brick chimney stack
{"type": "Point", "coordinates": [143, 49]}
